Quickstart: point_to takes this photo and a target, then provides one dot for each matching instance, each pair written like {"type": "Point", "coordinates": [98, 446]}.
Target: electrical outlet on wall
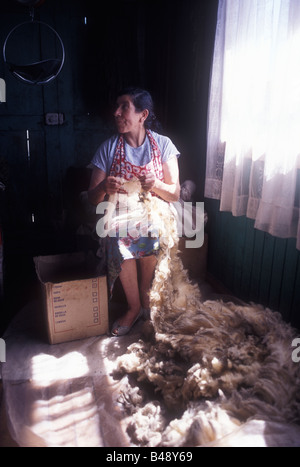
{"type": "Point", "coordinates": [54, 118]}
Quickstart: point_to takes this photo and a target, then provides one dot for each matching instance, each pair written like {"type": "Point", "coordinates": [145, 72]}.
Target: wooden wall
{"type": "Point", "coordinates": [254, 265]}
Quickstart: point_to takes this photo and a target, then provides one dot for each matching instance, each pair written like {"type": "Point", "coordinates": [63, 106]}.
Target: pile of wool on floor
{"type": "Point", "coordinates": [204, 369]}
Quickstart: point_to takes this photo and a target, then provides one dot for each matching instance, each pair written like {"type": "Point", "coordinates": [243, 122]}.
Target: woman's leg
{"type": "Point", "coordinates": [129, 281]}
{"type": "Point", "coordinates": [136, 296]}
{"type": "Point", "coordinates": [147, 268]}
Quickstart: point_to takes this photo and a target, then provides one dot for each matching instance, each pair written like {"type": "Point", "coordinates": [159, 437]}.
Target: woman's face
{"type": "Point", "coordinates": [126, 117]}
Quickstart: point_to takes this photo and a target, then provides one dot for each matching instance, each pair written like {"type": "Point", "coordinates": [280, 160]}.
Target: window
{"type": "Point", "coordinates": [253, 151]}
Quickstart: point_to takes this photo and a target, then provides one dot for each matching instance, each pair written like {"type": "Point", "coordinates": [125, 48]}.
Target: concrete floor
{"type": "Point", "coordinates": [189, 262]}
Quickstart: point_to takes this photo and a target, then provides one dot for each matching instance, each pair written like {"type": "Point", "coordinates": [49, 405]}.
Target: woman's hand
{"type": "Point", "coordinates": [111, 185]}
{"type": "Point", "coordinates": [100, 185]}
{"type": "Point", "coordinates": [147, 181]}
{"type": "Point", "coordinates": [169, 189]}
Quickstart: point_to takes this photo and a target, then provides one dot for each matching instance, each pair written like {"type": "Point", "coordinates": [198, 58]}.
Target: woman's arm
{"type": "Point", "coordinates": [100, 185]}
{"type": "Point", "coordinates": [169, 190]}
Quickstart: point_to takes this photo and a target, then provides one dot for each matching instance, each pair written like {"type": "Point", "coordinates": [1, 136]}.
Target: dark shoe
{"type": "Point", "coordinates": [118, 330]}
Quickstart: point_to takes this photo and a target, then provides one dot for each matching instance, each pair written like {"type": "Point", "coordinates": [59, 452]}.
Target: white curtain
{"type": "Point", "coordinates": [253, 146]}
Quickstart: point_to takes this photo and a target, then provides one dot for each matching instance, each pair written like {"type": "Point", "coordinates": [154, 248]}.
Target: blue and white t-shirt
{"type": "Point", "coordinates": [140, 156]}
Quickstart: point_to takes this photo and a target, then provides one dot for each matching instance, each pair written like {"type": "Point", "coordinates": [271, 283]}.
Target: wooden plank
{"type": "Point", "coordinates": [276, 278]}
{"type": "Point", "coordinates": [240, 231]}
{"type": "Point", "coordinates": [211, 206]}
{"type": "Point", "coordinates": [38, 180]}
{"type": "Point", "coordinates": [21, 122]}
{"type": "Point", "coordinates": [14, 151]}
{"type": "Point", "coordinates": [247, 262]}
{"type": "Point", "coordinates": [86, 143]}
{"type": "Point", "coordinates": [54, 158]}
{"type": "Point", "coordinates": [266, 269]}
{"type": "Point", "coordinates": [289, 276]}
{"type": "Point", "coordinates": [220, 246]}
{"type": "Point", "coordinates": [294, 316]}
{"type": "Point", "coordinates": [227, 248]}
{"type": "Point", "coordinates": [259, 239]}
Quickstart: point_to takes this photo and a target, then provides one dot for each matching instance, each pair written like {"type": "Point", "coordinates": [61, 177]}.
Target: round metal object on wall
{"type": "Point", "coordinates": [24, 40]}
{"type": "Point", "coordinates": [30, 3]}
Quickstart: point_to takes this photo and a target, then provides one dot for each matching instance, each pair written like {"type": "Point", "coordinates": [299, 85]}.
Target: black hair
{"type": "Point", "coordinates": [142, 100]}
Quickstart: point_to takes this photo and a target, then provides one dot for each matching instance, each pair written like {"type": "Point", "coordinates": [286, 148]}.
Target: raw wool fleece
{"type": "Point", "coordinates": [212, 365]}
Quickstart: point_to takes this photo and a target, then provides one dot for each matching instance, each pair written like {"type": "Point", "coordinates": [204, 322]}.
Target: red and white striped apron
{"type": "Point", "coordinates": [123, 168]}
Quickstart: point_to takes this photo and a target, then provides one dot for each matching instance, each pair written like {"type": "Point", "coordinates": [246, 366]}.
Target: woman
{"type": "Point", "coordinates": [152, 158]}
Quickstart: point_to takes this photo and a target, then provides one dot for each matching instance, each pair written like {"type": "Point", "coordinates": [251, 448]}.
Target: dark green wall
{"type": "Point", "coordinates": [252, 264]}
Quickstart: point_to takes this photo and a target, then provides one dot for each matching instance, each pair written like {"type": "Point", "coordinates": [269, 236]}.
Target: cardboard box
{"type": "Point", "coordinates": [75, 296]}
